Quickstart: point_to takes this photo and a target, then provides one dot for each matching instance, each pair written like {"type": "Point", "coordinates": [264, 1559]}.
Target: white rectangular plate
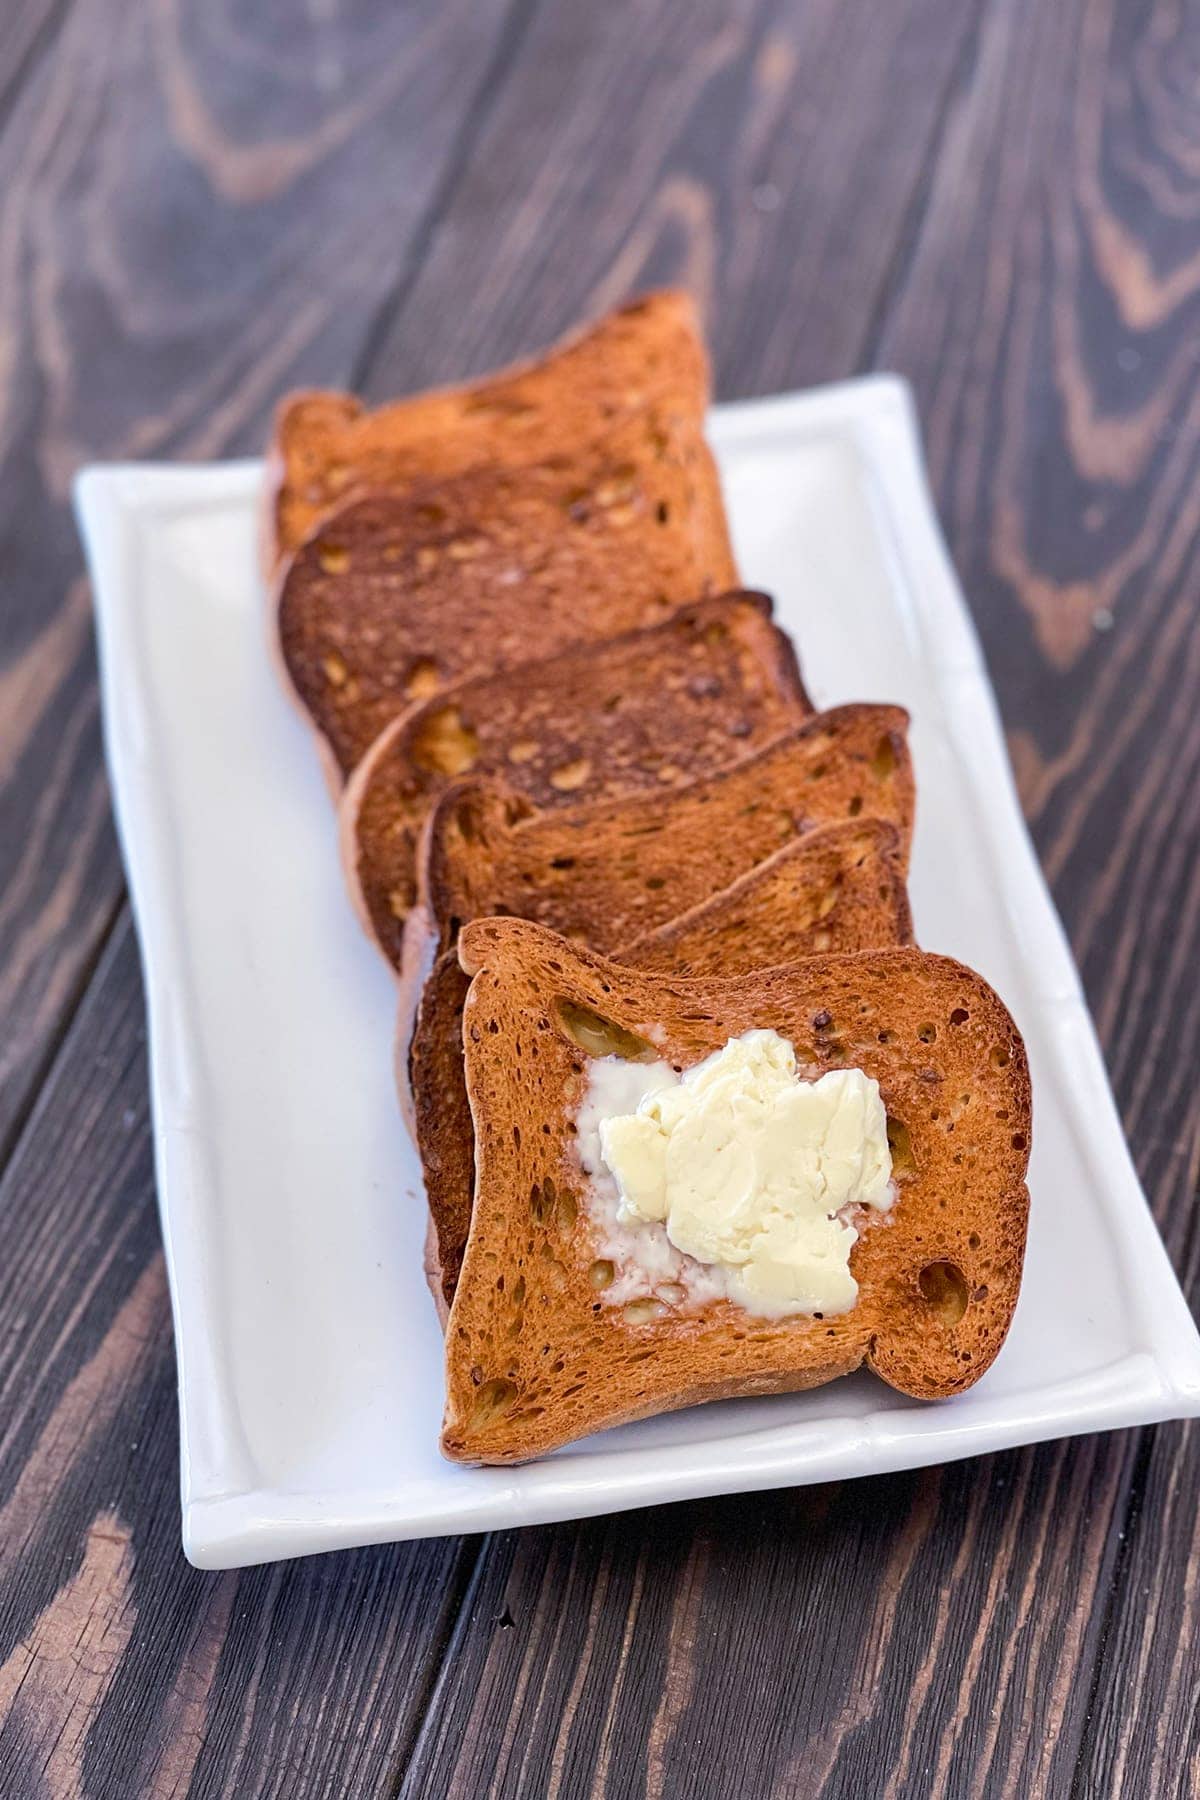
{"type": "Point", "coordinates": [310, 1366]}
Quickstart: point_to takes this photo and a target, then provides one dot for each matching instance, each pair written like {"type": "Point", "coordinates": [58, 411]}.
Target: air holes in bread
{"type": "Point", "coordinates": [493, 1401]}
{"type": "Point", "coordinates": [570, 776]}
{"type": "Point", "coordinates": [883, 763]}
{"type": "Point", "coordinates": [927, 1033]}
{"type": "Point", "coordinates": [944, 1289]}
{"type": "Point", "coordinates": [1001, 1056]}
{"type": "Point", "coordinates": [422, 680]}
{"type": "Point", "coordinates": [539, 1203]}
{"type": "Point", "coordinates": [601, 1274]}
{"type": "Point", "coordinates": [466, 821]}
{"type": "Point", "coordinates": [445, 743]}
{"type": "Point", "coordinates": [333, 558]}
{"type": "Point", "coordinates": [643, 1312]}
{"type": "Point", "coordinates": [855, 806]}
{"type": "Point", "coordinates": [598, 1036]}
{"type": "Point", "coordinates": [959, 1016]}
{"type": "Point", "coordinates": [900, 1144]}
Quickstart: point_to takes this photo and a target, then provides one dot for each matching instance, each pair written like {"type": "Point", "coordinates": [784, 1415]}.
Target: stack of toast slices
{"type": "Point", "coordinates": [591, 818]}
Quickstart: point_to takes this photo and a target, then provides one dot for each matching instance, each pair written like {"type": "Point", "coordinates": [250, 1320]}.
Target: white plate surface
{"type": "Point", "coordinates": [309, 1355]}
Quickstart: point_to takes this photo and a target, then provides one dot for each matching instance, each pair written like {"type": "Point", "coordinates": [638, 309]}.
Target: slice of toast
{"type": "Point", "coordinates": [535, 1357]}
{"type": "Point", "coordinates": [401, 594]}
{"type": "Point", "coordinates": [606, 873]}
{"type": "Point", "coordinates": [838, 889]}
{"type": "Point", "coordinates": [650, 709]}
{"type": "Point", "coordinates": [327, 447]}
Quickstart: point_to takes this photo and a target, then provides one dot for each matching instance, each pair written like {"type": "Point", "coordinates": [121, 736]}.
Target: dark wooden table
{"type": "Point", "coordinates": [203, 204]}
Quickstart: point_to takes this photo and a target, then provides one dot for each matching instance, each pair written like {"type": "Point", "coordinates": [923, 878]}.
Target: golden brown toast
{"type": "Point", "coordinates": [605, 873]}
{"type": "Point", "coordinates": [535, 1357]}
{"type": "Point", "coordinates": [837, 889]}
{"type": "Point", "coordinates": [327, 448]}
{"type": "Point", "coordinates": [646, 711]}
{"type": "Point", "coordinates": [401, 594]}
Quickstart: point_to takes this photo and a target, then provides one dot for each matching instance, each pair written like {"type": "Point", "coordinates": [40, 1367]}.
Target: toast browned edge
{"type": "Point", "coordinates": [483, 851]}
{"type": "Point", "coordinates": [400, 594]}
{"type": "Point", "coordinates": [837, 889]}
{"type": "Point", "coordinates": [650, 709]}
{"type": "Point", "coordinates": [534, 1358]}
{"type": "Point", "coordinates": [326, 447]}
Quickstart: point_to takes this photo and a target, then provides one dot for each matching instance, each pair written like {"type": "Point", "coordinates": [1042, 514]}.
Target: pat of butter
{"type": "Point", "coordinates": [752, 1169]}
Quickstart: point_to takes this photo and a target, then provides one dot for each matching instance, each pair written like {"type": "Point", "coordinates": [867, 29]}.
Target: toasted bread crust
{"type": "Point", "coordinates": [838, 889]}
{"type": "Point", "coordinates": [643, 712]}
{"type": "Point", "coordinates": [482, 853]}
{"type": "Point", "coordinates": [400, 594]}
{"type": "Point", "coordinates": [536, 1359]}
{"type": "Point", "coordinates": [327, 448]}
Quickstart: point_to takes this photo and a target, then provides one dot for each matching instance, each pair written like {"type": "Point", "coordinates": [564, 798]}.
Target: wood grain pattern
{"type": "Point", "coordinates": [30, 27]}
{"type": "Point", "coordinates": [122, 1671]}
{"type": "Point", "coordinates": [999, 198]}
{"type": "Point", "coordinates": [1080, 551]}
{"type": "Point", "coordinates": [688, 140]}
{"type": "Point", "coordinates": [176, 247]}
{"type": "Point", "coordinates": [809, 1644]}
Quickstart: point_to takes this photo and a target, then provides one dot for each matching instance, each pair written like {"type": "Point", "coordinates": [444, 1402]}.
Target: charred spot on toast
{"type": "Point", "coordinates": [944, 1289]}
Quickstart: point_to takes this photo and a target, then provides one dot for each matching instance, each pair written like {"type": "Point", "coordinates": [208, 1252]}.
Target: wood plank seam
{"type": "Point", "coordinates": [915, 212]}
{"type": "Point", "coordinates": [35, 52]}
{"type": "Point", "coordinates": [438, 1657]}
{"type": "Point", "coordinates": [500, 64]}
{"type": "Point", "coordinates": [1125, 1525]}
{"type": "Point", "coordinates": [457, 1621]}
{"type": "Point", "coordinates": [57, 1044]}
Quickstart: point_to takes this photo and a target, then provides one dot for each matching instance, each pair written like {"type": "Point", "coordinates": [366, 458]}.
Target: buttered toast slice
{"type": "Point", "coordinates": [557, 1331]}
{"type": "Point", "coordinates": [605, 873]}
{"type": "Point", "coordinates": [647, 711]}
{"type": "Point", "coordinates": [400, 594]}
{"type": "Point", "coordinates": [327, 447]}
{"type": "Point", "coordinates": [838, 889]}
